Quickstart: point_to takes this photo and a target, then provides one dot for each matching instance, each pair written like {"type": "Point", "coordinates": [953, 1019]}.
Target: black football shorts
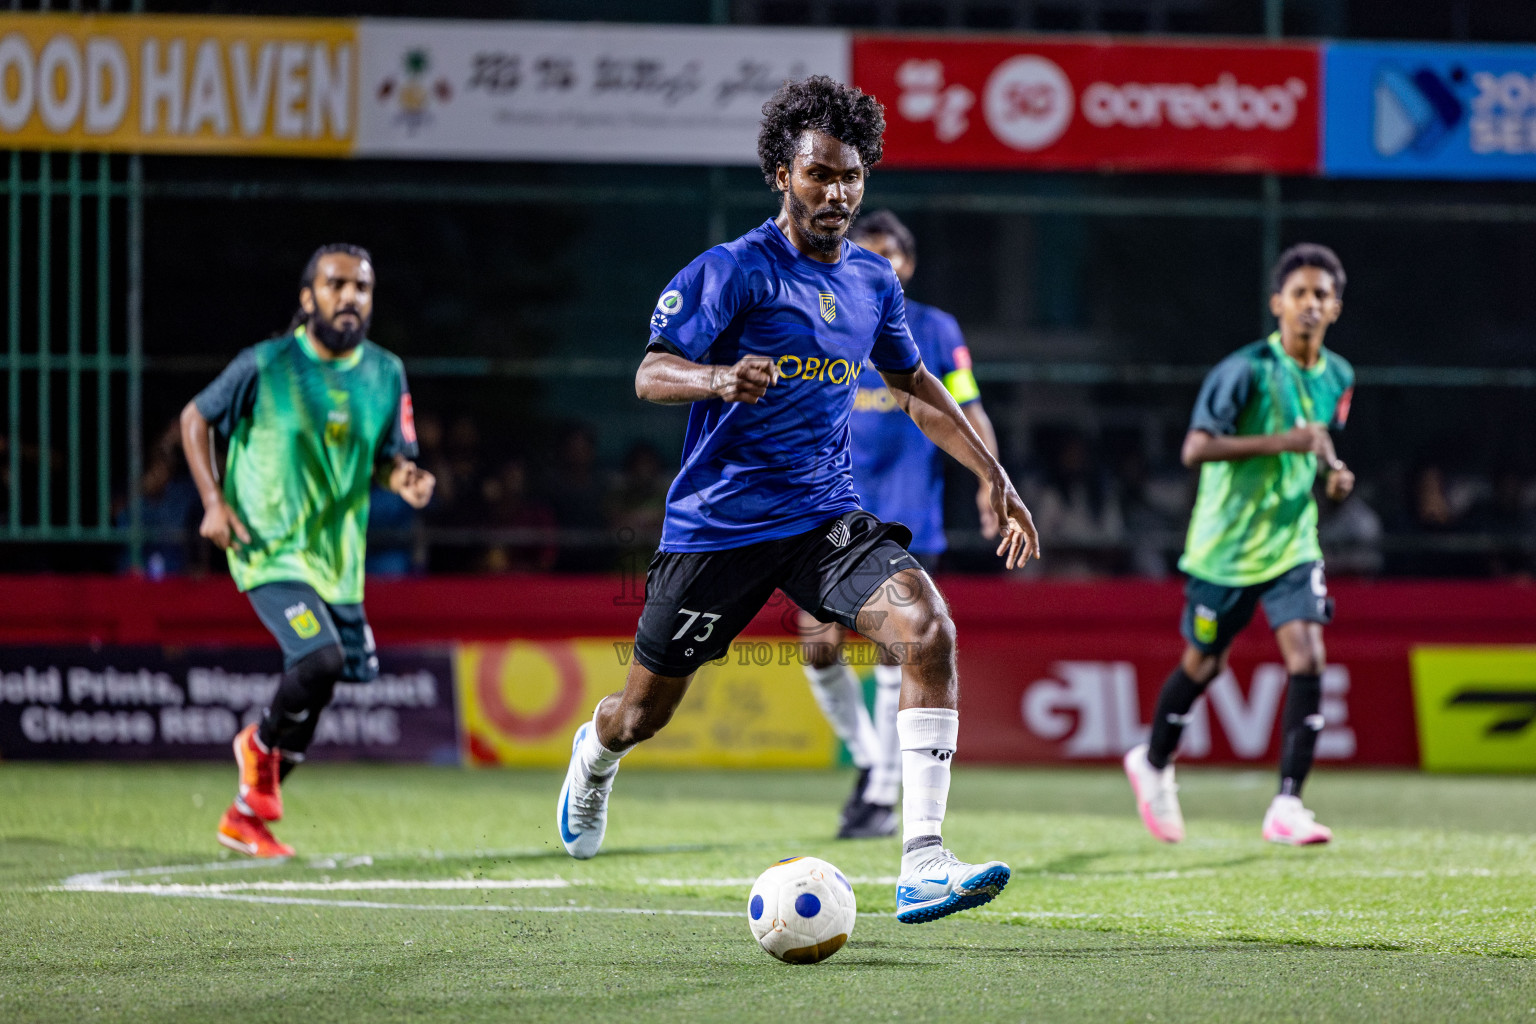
{"type": "Point", "coordinates": [696, 602]}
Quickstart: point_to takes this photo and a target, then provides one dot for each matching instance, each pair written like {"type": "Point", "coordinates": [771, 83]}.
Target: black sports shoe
{"type": "Point", "coordinates": [863, 820]}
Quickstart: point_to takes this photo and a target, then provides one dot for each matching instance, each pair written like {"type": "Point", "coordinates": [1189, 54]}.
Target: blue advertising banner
{"type": "Point", "coordinates": [1416, 111]}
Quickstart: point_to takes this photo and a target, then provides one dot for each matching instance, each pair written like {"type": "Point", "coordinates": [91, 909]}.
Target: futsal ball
{"type": "Point", "coordinates": [801, 910]}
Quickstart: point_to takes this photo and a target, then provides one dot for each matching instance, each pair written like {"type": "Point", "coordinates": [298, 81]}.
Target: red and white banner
{"type": "Point", "coordinates": [1023, 102]}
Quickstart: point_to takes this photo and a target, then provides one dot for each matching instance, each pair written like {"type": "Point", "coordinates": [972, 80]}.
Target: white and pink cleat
{"type": "Point", "coordinates": [1157, 796]}
{"type": "Point", "coordinates": [1287, 821]}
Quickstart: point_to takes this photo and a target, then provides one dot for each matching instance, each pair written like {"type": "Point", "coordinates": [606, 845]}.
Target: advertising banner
{"type": "Point", "coordinates": [1027, 102]}
{"type": "Point", "coordinates": [526, 91]}
{"type": "Point", "coordinates": [1416, 111]}
{"type": "Point", "coordinates": [153, 703]}
{"type": "Point", "coordinates": [1476, 707]}
{"type": "Point", "coordinates": [271, 86]}
{"type": "Point", "coordinates": [521, 702]}
{"type": "Point", "coordinates": [1068, 701]}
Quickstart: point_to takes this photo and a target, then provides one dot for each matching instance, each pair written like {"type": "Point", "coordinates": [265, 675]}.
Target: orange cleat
{"type": "Point", "coordinates": [249, 835]}
{"type": "Point", "coordinates": [258, 776]}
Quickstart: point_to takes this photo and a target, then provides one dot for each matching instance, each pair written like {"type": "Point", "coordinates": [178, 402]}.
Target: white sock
{"type": "Point", "coordinates": [928, 738]}
{"type": "Point", "coordinates": [885, 777]}
{"type": "Point", "coordinates": [597, 759]}
{"type": "Point", "coordinates": [841, 696]}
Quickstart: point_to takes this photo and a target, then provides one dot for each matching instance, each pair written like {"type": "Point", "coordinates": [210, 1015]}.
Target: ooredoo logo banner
{"type": "Point", "coordinates": [1102, 106]}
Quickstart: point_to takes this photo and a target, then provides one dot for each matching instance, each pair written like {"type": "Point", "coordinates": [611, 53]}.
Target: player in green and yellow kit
{"type": "Point", "coordinates": [1260, 435]}
{"type": "Point", "coordinates": [313, 418]}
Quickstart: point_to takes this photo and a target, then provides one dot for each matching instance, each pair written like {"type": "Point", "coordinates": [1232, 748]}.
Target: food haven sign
{"type": "Point", "coordinates": [178, 85]}
{"type": "Point", "coordinates": [1021, 102]}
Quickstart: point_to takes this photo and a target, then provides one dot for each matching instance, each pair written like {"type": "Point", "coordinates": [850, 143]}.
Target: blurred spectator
{"type": "Point", "coordinates": [393, 535]}
{"type": "Point", "coordinates": [1154, 514]}
{"type": "Point", "coordinates": [575, 492]}
{"type": "Point", "coordinates": [1350, 533]}
{"type": "Point", "coordinates": [637, 501]}
{"type": "Point", "coordinates": [1434, 518]}
{"type": "Point", "coordinates": [1507, 517]}
{"type": "Point", "coordinates": [1076, 509]}
{"type": "Point", "coordinates": [171, 508]}
{"type": "Point", "coordinates": [507, 506]}
{"type": "Point", "coordinates": [459, 478]}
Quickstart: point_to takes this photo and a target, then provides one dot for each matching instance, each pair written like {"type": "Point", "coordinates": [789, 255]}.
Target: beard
{"type": "Point", "coordinates": [335, 338]}
{"type": "Point", "coordinates": [802, 215]}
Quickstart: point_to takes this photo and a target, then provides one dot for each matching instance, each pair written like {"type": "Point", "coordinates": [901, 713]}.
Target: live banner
{"type": "Point", "coordinates": [154, 703]}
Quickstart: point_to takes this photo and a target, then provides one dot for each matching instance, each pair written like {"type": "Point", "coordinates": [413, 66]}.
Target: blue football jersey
{"type": "Point", "coordinates": [897, 471]}
{"type": "Point", "coordinates": [777, 468]}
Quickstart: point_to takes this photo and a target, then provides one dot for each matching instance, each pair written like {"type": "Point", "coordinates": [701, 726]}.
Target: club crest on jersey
{"type": "Point", "coordinates": [302, 620]}
{"type": "Point", "coordinates": [1205, 624]}
{"type": "Point", "coordinates": [337, 425]}
{"type": "Point", "coordinates": [828, 306]}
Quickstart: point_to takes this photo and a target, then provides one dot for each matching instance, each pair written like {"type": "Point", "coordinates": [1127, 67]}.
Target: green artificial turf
{"type": "Point", "coordinates": [1423, 909]}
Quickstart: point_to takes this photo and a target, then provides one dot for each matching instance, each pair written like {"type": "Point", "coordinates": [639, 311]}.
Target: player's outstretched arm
{"type": "Point", "coordinates": [668, 379]}
{"type": "Point", "coordinates": [220, 522]}
{"type": "Point", "coordinates": [934, 410]}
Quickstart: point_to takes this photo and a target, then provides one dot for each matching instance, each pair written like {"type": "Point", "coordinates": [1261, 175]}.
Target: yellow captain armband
{"type": "Point", "coordinates": [961, 384]}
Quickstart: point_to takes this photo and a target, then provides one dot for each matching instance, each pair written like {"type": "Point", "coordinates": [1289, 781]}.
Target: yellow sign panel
{"type": "Point", "coordinates": [274, 86]}
{"type": "Point", "coordinates": [521, 702]}
{"type": "Point", "coordinates": [1476, 707]}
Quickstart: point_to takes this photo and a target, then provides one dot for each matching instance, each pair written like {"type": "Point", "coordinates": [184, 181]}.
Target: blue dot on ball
{"type": "Point", "coordinates": [755, 908]}
{"type": "Point", "coordinates": [807, 905]}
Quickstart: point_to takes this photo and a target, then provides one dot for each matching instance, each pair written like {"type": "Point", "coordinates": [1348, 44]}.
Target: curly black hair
{"type": "Point", "coordinates": [818, 104]}
{"type": "Point", "coordinates": [1307, 254]}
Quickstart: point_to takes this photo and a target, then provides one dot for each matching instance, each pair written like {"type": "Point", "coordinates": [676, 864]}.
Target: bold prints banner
{"type": "Point", "coordinates": [153, 703]}
{"type": "Point", "coordinates": [1024, 102]}
{"type": "Point", "coordinates": [521, 702]}
{"type": "Point", "coordinates": [1404, 111]}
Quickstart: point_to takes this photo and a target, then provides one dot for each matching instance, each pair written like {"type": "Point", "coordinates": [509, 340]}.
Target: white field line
{"type": "Point", "coordinates": [344, 885]}
{"type": "Point", "coordinates": [736, 883]}
{"type": "Point", "coordinates": [300, 901]}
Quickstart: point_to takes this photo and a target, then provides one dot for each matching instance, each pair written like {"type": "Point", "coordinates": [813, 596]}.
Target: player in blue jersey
{"type": "Point", "coordinates": [899, 476]}
{"type": "Point", "coordinates": [767, 338]}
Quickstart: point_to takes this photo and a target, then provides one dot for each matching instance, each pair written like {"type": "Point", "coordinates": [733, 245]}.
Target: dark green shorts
{"type": "Point", "coordinates": [1214, 614]}
{"type": "Point", "coordinates": [302, 624]}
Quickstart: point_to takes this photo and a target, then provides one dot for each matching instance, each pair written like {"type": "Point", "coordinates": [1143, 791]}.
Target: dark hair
{"type": "Point", "coordinates": [818, 104]}
{"type": "Point", "coordinates": [884, 222]}
{"type": "Point", "coordinates": [307, 279]}
{"type": "Point", "coordinates": [1307, 254]}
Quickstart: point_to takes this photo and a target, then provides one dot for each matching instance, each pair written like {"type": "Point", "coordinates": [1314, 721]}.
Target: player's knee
{"type": "Point", "coordinates": [1308, 662]}
{"type": "Point", "coordinates": [928, 634]}
{"type": "Point", "coordinates": [1204, 666]}
{"type": "Point", "coordinates": [639, 722]}
{"type": "Point", "coordinates": [317, 672]}
{"type": "Point", "coordinates": [818, 653]}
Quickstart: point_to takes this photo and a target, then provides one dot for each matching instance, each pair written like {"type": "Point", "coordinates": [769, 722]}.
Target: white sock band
{"type": "Point", "coordinates": [841, 696]}
{"type": "Point", "coordinates": [928, 740]}
{"type": "Point", "coordinates": [885, 777]}
{"type": "Point", "coordinates": [596, 758]}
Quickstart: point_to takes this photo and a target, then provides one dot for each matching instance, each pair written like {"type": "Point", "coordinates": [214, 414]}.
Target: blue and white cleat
{"type": "Point", "coordinates": [935, 884]}
{"type": "Point", "coordinates": [583, 810]}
